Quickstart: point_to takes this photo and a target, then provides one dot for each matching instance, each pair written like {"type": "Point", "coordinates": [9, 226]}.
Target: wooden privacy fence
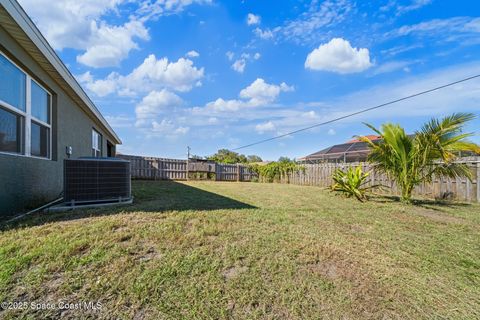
{"type": "Point", "coordinates": [233, 172]}
{"type": "Point", "coordinates": [460, 188]}
{"type": "Point", "coordinates": [156, 168]}
{"type": "Point", "coordinates": [150, 168]}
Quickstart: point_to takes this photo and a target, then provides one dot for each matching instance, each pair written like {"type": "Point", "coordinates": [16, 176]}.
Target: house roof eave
{"type": "Point", "coordinates": [30, 38]}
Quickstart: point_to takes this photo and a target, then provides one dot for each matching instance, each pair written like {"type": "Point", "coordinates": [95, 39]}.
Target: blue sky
{"type": "Point", "coordinates": [216, 74]}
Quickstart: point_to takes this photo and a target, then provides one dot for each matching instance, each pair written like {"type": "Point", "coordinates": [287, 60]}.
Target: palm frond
{"type": "Point", "coordinates": [452, 170]}
{"type": "Point", "coordinates": [373, 128]}
{"type": "Point", "coordinates": [412, 160]}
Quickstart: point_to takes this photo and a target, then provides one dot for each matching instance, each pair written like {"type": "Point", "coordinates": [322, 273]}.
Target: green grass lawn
{"type": "Point", "coordinates": [206, 250]}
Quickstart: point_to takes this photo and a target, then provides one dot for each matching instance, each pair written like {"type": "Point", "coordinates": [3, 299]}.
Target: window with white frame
{"type": "Point", "coordinates": [96, 144]}
{"type": "Point", "coordinates": [25, 113]}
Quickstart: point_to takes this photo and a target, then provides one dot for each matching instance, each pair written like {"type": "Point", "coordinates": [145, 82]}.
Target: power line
{"type": "Point", "coordinates": [358, 112]}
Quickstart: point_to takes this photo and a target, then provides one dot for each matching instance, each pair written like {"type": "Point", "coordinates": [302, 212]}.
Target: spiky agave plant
{"type": "Point", "coordinates": [351, 182]}
{"type": "Point", "coordinates": [413, 159]}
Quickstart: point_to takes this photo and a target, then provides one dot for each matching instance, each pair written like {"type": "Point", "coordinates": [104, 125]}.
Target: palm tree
{"type": "Point", "coordinates": [412, 159]}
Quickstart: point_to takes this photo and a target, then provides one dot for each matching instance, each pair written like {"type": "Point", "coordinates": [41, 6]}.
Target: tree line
{"type": "Point", "coordinates": [231, 157]}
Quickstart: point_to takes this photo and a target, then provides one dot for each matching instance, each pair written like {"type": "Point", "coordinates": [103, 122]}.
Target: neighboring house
{"type": "Point", "coordinates": [351, 151]}
{"type": "Point", "coordinates": [44, 116]}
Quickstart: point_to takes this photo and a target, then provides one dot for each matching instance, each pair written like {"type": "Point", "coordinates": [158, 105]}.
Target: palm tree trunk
{"type": "Point", "coordinates": [407, 193]}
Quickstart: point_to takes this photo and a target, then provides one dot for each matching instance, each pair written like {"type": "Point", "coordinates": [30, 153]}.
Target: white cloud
{"type": "Point", "coordinates": [253, 19]}
{"type": "Point", "coordinates": [152, 9]}
{"type": "Point", "coordinates": [84, 77]}
{"type": "Point", "coordinates": [401, 49]}
{"type": "Point", "coordinates": [221, 105]}
{"type": "Point", "coordinates": [151, 110]}
{"type": "Point", "coordinates": [445, 28]}
{"type": "Point", "coordinates": [322, 20]}
{"type": "Point", "coordinates": [73, 24]}
{"type": "Point", "coordinates": [258, 93]}
{"type": "Point", "coordinates": [473, 25]}
{"type": "Point", "coordinates": [152, 74]}
{"type": "Point", "coordinates": [239, 65]}
{"type": "Point", "coordinates": [392, 66]}
{"type": "Point", "coordinates": [310, 114]}
{"type": "Point", "coordinates": [414, 5]}
{"type": "Point", "coordinates": [436, 104]}
{"type": "Point", "coordinates": [431, 26]}
{"type": "Point", "coordinates": [264, 34]}
{"type": "Point", "coordinates": [192, 54]}
{"type": "Point", "coordinates": [265, 127]}
{"type": "Point", "coordinates": [109, 45]}
{"type": "Point", "coordinates": [167, 128]}
{"type": "Point", "coordinates": [155, 103]}
{"type": "Point", "coordinates": [464, 96]}
{"type": "Point", "coordinates": [388, 6]}
{"type": "Point", "coordinates": [67, 24]}
{"type": "Point", "coordinates": [338, 56]}
{"type": "Point", "coordinates": [234, 117]}
{"type": "Point", "coordinates": [120, 121]}
{"type": "Point", "coordinates": [82, 25]}
{"type": "Point", "coordinates": [331, 132]}
{"type": "Point", "coordinates": [181, 130]}
{"type": "Point", "coordinates": [100, 87]}
{"type": "Point", "coordinates": [312, 24]}
{"type": "Point", "coordinates": [317, 23]}
{"type": "Point", "coordinates": [230, 55]}
{"type": "Point", "coordinates": [181, 75]}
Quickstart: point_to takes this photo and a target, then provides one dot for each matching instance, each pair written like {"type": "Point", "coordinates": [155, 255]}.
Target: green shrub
{"type": "Point", "coordinates": [351, 182]}
{"type": "Point", "coordinates": [275, 171]}
{"type": "Point", "coordinates": [411, 160]}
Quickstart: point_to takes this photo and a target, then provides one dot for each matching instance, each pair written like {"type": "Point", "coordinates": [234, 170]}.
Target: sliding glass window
{"type": "Point", "coordinates": [25, 113]}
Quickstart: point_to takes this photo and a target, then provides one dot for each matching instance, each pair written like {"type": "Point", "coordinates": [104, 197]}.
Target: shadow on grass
{"type": "Point", "coordinates": [149, 196]}
{"type": "Point", "coordinates": [436, 205]}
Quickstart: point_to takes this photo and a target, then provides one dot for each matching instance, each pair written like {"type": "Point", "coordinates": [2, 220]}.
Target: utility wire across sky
{"type": "Point", "coordinates": [359, 112]}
